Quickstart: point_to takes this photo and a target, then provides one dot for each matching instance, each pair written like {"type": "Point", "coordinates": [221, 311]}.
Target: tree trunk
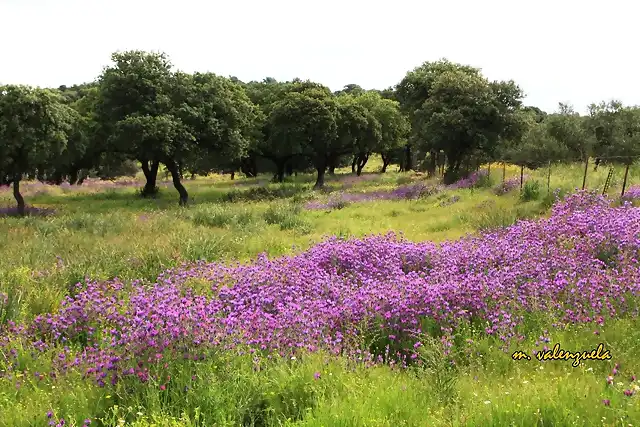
{"type": "Point", "coordinates": [362, 161]}
{"type": "Point", "coordinates": [504, 171]}
{"type": "Point", "coordinates": [150, 171]}
{"type": "Point", "coordinates": [584, 178]}
{"type": "Point", "coordinates": [431, 166]}
{"type": "Point", "coordinates": [624, 181]}
{"type": "Point", "coordinates": [549, 178]}
{"type": "Point", "coordinates": [57, 178]}
{"type": "Point", "coordinates": [321, 167]}
{"type": "Point", "coordinates": [521, 176]}
{"type": "Point", "coordinates": [248, 167]}
{"type": "Point", "coordinates": [244, 167]}
{"type": "Point", "coordinates": [353, 164]}
{"type": "Point", "coordinates": [233, 175]}
{"type": "Point", "coordinates": [17, 195]}
{"type": "Point", "coordinates": [253, 166]}
{"type": "Point", "coordinates": [280, 169]}
{"type": "Point", "coordinates": [172, 167]}
{"type": "Point", "coordinates": [386, 159]}
{"type": "Point", "coordinates": [409, 160]}
{"type": "Point", "coordinates": [73, 176]}
{"type": "Point", "coordinates": [332, 163]}
{"type": "Point", "coordinates": [289, 168]}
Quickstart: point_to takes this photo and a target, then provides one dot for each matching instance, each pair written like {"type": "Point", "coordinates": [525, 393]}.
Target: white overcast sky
{"type": "Point", "coordinates": [557, 51]}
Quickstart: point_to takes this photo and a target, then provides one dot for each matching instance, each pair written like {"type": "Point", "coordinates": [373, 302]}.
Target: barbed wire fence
{"type": "Point", "coordinates": [610, 161]}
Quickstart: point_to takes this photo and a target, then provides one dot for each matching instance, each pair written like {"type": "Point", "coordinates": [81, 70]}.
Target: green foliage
{"type": "Point", "coordinates": [34, 131]}
{"type": "Point", "coordinates": [118, 236]}
{"type": "Point", "coordinates": [530, 191]}
{"type": "Point", "coordinates": [571, 130]}
{"type": "Point", "coordinates": [156, 115]}
{"type": "Point", "coordinates": [493, 217]}
{"type": "Point", "coordinates": [536, 149]}
{"type": "Point", "coordinates": [305, 123]}
{"type": "Point", "coordinates": [454, 109]}
{"type": "Point", "coordinates": [141, 110]}
{"type": "Point", "coordinates": [394, 126]}
{"type": "Point", "coordinates": [616, 130]}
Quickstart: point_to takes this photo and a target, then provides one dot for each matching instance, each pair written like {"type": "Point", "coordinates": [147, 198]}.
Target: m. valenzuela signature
{"type": "Point", "coordinates": [599, 353]}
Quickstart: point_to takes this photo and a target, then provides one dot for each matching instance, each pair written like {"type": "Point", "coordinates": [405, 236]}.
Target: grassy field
{"type": "Point", "coordinates": [102, 233]}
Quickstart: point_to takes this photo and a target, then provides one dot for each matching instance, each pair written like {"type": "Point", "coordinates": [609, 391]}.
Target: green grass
{"type": "Point", "coordinates": [116, 233]}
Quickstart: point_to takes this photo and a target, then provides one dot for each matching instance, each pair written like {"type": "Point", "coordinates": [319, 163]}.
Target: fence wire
{"type": "Point", "coordinates": [597, 161]}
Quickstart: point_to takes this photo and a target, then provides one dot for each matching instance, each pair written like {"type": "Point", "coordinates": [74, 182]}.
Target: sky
{"type": "Point", "coordinates": [576, 52]}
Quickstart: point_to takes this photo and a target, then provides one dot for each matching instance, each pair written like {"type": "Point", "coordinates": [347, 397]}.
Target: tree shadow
{"type": "Point", "coordinates": [6, 212]}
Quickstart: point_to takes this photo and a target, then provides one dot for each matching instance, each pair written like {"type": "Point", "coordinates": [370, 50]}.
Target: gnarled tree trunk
{"type": "Point", "coordinates": [332, 163]}
{"type": "Point", "coordinates": [386, 159]}
{"type": "Point", "coordinates": [409, 158]}
{"type": "Point", "coordinates": [73, 176]}
{"type": "Point", "coordinates": [175, 176]}
{"type": "Point", "coordinates": [150, 170]}
{"type": "Point", "coordinates": [280, 170]}
{"type": "Point", "coordinates": [432, 165]}
{"type": "Point", "coordinates": [17, 195]}
{"type": "Point", "coordinates": [321, 167]}
{"type": "Point", "coordinates": [362, 161]}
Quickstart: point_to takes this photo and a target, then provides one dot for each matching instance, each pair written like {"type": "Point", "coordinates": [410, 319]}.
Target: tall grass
{"type": "Point", "coordinates": [117, 234]}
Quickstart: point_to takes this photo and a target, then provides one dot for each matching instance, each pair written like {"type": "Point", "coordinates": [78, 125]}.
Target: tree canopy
{"type": "Point", "coordinates": [141, 113]}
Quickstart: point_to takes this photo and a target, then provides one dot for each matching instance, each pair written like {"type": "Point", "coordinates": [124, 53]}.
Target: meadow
{"type": "Point", "coordinates": [266, 304]}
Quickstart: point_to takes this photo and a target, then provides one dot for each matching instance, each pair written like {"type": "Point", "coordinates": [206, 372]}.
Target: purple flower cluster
{"type": "Point", "coordinates": [471, 181]}
{"type": "Point", "coordinates": [408, 192]}
{"type": "Point", "coordinates": [632, 194]}
{"type": "Point", "coordinates": [580, 265]}
{"type": "Point", "coordinates": [509, 185]}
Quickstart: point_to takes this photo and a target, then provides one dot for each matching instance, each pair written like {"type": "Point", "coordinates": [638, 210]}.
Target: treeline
{"type": "Point", "coordinates": [142, 111]}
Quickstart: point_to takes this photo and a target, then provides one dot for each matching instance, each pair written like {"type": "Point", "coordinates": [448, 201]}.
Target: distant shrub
{"type": "Point", "coordinates": [530, 191]}
{"type": "Point", "coordinates": [277, 213]}
{"type": "Point", "coordinates": [337, 203]}
{"type": "Point", "coordinates": [507, 186]}
{"type": "Point", "coordinates": [549, 199]}
{"type": "Point", "coordinates": [212, 216]}
{"type": "Point", "coordinates": [404, 180]}
{"type": "Point", "coordinates": [483, 180]}
{"type": "Point", "coordinates": [414, 191]}
{"type": "Point", "coordinates": [287, 216]}
{"type": "Point", "coordinates": [296, 223]}
{"type": "Point", "coordinates": [244, 218]}
{"type": "Point", "coordinates": [478, 179]}
{"type": "Point", "coordinates": [264, 193]}
{"type": "Point", "coordinates": [451, 200]}
{"type": "Point", "coordinates": [496, 217]}
{"type": "Point", "coordinates": [94, 224]}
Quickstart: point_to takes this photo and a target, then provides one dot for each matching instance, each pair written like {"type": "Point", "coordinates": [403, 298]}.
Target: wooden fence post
{"type": "Point", "coordinates": [584, 178]}
{"type": "Point", "coordinates": [549, 178]}
{"type": "Point", "coordinates": [521, 176]}
{"type": "Point", "coordinates": [504, 171]}
{"type": "Point", "coordinates": [624, 181]}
